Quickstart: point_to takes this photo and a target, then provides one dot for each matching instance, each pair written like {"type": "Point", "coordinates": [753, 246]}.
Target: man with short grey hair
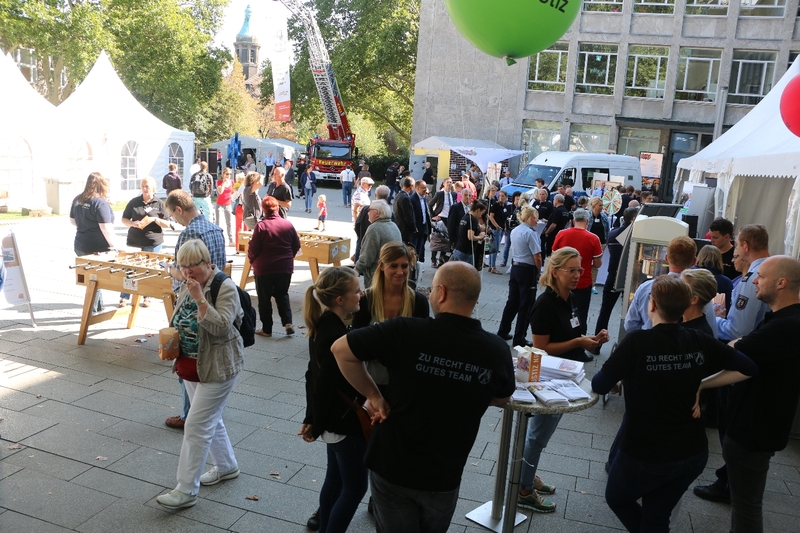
{"type": "Point", "coordinates": [362, 222]}
{"type": "Point", "coordinates": [558, 220]}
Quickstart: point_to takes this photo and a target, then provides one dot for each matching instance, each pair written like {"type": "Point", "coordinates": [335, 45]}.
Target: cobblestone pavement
{"type": "Point", "coordinates": [83, 445]}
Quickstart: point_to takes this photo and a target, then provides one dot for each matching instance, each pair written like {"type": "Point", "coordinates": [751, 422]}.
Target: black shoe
{"type": "Point", "coordinates": [313, 522]}
{"type": "Point", "coordinates": [713, 492]}
{"type": "Point", "coordinates": [506, 337]}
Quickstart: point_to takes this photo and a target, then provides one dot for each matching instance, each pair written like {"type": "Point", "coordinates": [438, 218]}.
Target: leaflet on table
{"type": "Point", "coordinates": [547, 395]}
{"type": "Point", "coordinates": [559, 368]}
{"type": "Point", "coordinates": [522, 394]}
{"type": "Point", "coordinates": [569, 389]}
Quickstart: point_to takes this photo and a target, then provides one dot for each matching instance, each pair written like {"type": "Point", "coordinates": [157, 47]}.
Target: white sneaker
{"type": "Point", "coordinates": [213, 476]}
{"type": "Point", "coordinates": [176, 499]}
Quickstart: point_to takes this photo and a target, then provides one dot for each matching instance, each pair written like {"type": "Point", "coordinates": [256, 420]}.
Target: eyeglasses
{"type": "Point", "coordinates": [573, 271]}
{"type": "Point", "coordinates": [735, 256]}
{"type": "Point", "coordinates": [187, 267]}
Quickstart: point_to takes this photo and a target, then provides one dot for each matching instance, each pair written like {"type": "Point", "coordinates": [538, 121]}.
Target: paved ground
{"type": "Point", "coordinates": [83, 446]}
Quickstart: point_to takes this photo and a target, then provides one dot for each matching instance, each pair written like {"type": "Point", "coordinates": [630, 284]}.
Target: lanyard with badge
{"type": "Point", "coordinates": [574, 322]}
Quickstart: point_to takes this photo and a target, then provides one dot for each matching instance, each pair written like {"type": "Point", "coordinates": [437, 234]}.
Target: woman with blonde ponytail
{"type": "Point", "coordinates": [331, 400]}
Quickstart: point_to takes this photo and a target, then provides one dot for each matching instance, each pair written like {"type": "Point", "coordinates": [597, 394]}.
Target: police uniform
{"type": "Point", "coordinates": [746, 310]}
{"type": "Point", "coordinates": [525, 244]}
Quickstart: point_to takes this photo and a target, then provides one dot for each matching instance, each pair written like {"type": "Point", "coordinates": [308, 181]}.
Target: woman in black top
{"type": "Point", "coordinates": [543, 205]}
{"type": "Point", "coordinates": [330, 410]}
{"type": "Point", "coordinates": [469, 247]}
{"type": "Point", "coordinates": [704, 289]}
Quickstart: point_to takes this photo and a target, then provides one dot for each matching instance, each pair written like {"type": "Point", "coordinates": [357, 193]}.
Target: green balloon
{"type": "Point", "coordinates": [513, 28]}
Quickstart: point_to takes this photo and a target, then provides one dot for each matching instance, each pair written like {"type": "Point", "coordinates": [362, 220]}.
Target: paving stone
{"type": "Point", "coordinates": [590, 508]}
{"type": "Point", "coordinates": [309, 478]}
{"type": "Point", "coordinates": [7, 469]}
{"type": "Point", "coordinates": [149, 465]}
{"type": "Point", "coordinates": [15, 400]}
{"type": "Point", "coordinates": [72, 416]}
{"type": "Point", "coordinates": [285, 447]}
{"type": "Point", "coordinates": [47, 463]}
{"type": "Point", "coordinates": [159, 438]}
{"type": "Point", "coordinates": [52, 500]}
{"type": "Point", "coordinates": [258, 523]}
{"type": "Point", "coordinates": [209, 512]}
{"type": "Point", "coordinates": [19, 426]}
{"type": "Point", "coordinates": [128, 517]}
{"type": "Point", "coordinates": [16, 522]}
{"type": "Point", "coordinates": [278, 500]}
{"type": "Point", "coordinates": [80, 445]}
{"type": "Point", "coordinates": [121, 406]}
{"type": "Point", "coordinates": [118, 485]}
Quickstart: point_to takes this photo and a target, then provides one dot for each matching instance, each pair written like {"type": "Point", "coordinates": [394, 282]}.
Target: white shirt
{"type": "Point", "coordinates": [347, 176]}
{"type": "Point", "coordinates": [360, 197]}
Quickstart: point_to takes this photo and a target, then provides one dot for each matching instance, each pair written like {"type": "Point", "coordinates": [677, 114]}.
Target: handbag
{"type": "Point", "coordinates": [361, 413]}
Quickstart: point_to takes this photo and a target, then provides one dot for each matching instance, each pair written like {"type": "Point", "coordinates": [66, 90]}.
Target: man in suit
{"type": "Point", "coordinates": [457, 212]}
{"type": "Point", "coordinates": [404, 211]}
{"type": "Point", "coordinates": [443, 201]}
{"type": "Point", "coordinates": [422, 218]}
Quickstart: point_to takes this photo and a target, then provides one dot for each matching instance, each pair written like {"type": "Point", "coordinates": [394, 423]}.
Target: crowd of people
{"type": "Point", "coordinates": [378, 361]}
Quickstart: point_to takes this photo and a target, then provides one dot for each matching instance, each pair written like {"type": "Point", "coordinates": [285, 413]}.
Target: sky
{"type": "Point", "coordinates": [265, 14]}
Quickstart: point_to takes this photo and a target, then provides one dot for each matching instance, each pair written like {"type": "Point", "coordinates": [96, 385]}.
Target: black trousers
{"type": "Point", "coordinates": [521, 294]}
{"type": "Point", "coordinates": [583, 298]}
{"type": "Point", "coordinates": [273, 286]}
{"type": "Point", "coordinates": [610, 298]}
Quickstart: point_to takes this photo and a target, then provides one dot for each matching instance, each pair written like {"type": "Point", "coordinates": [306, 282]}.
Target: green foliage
{"type": "Point", "coordinates": [368, 138]}
{"type": "Point", "coordinates": [372, 45]}
{"type": "Point", "coordinates": [232, 109]}
{"type": "Point", "coordinates": [162, 49]}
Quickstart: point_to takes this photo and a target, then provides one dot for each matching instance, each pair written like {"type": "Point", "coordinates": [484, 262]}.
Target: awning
{"type": "Point", "coordinates": [478, 151]}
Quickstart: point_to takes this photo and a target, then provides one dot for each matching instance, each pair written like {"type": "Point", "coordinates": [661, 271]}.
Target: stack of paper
{"type": "Point", "coordinates": [522, 394]}
{"type": "Point", "coordinates": [569, 389]}
{"type": "Point", "coordinates": [547, 395]}
{"type": "Point", "coordinates": [558, 368]}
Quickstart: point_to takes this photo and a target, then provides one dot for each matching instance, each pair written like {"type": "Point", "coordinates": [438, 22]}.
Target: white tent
{"type": "Point", "coordinates": [262, 147]}
{"type": "Point", "coordinates": [756, 165]}
{"type": "Point", "coordinates": [29, 126]}
{"type": "Point", "coordinates": [125, 142]}
{"type": "Point", "coordinates": [479, 152]}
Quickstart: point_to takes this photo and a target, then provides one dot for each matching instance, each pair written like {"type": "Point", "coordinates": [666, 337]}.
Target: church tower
{"type": "Point", "coordinates": [247, 48]}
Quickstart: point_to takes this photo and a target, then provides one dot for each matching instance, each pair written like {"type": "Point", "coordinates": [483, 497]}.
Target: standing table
{"type": "Point", "coordinates": [491, 514]}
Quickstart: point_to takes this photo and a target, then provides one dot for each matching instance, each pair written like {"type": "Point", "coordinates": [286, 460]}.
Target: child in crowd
{"type": "Point", "coordinates": [323, 211]}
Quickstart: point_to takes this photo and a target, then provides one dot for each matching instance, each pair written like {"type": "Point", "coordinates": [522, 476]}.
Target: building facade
{"type": "Point", "coordinates": [630, 76]}
{"type": "Point", "coordinates": [246, 48]}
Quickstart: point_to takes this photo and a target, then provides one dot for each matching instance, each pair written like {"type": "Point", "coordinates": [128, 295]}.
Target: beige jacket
{"type": "Point", "coordinates": [221, 350]}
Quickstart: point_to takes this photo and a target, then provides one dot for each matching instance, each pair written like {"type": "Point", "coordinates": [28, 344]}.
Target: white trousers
{"type": "Point", "coordinates": [205, 433]}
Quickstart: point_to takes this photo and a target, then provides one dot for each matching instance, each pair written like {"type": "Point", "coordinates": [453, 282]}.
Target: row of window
{"type": "Point", "coordinates": [752, 72]}
{"type": "Point", "coordinates": [749, 8]}
{"type": "Point", "coordinates": [128, 166]}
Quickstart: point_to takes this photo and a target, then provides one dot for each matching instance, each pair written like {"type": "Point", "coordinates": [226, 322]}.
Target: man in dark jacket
{"type": "Point", "coordinates": [391, 179]}
{"type": "Point", "coordinates": [172, 181]}
{"type": "Point", "coordinates": [422, 218]}
{"type": "Point", "coordinates": [457, 212]}
{"type": "Point", "coordinates": [404, 211]}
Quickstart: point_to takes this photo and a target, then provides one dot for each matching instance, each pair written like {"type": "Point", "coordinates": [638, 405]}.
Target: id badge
{"type": "Point", "coordinates": [575, 322]}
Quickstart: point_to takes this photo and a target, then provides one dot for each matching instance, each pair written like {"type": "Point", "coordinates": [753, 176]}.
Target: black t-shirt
{"type": "Point", "coordinates": [136, 210]}
{"type": "Point", "coordinates": [552, 315]}
{"type": "Point", "coordinates": [427, 176]}
{"type": "Point", "coordinates": [281, 193]}
{"type": "Point", "coordinates": [596, 227]}
{"type": "Point", "coordinates": [569, 202]}
{"type": "Point", "coordinates": [391, 176]}
{"type": "Point", "coordinates": [88, 217]}
{"type": "Point", "coordinates": [727, 265]}
{"type": "Point", "coordinates": [464, 245]}
{"type": "Point", "coordinates": [501, 214]}
{"type": "Point", "coordinates": [560, 218]}
{"type": "Point", "coordinates": [545, 209]}
{"type": "Point", "coordinates": [762, 408]}
{"type": "Point", "coordinates": [662, 368]}
{"type": "Point", "coordinates": [700, 324]}
{"type": "Point", "coordinates": [443, 373]}
{"type": "Point", "coordinates": [363, 317]}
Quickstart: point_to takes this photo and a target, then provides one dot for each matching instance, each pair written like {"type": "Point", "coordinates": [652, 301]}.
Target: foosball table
{"type": "Point", "coordinates": [315, 249]}
{"type": "Point", "coordinates": [138, 273]}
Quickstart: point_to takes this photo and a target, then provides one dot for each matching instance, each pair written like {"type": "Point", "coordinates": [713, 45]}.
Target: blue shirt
{"type": "Point", "coordinates": [746, 310]}
{"type": "Point", "coordinates": [525, 244]}
{"type": "Point", "coordinates": [638, 318]}
{"type": "Point", "coordinates": [212, 237]}
{"type": "Point", "coordinates": [269, 161]}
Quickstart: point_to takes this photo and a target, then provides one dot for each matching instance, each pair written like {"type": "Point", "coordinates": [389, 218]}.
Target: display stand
{"type": "Point", "coordinates": [15, 287]}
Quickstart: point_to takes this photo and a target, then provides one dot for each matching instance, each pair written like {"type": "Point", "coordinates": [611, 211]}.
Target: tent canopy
{"type": "Point", "coordinates": [262, 147]}
{"type": "Point", "coordinates": [479, 152]}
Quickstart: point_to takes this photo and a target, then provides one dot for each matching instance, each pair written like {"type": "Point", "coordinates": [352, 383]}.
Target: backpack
{"type": "Point", "coordinates": [197, 185]}
{"type": "Point", "coordinates": [247, 329]}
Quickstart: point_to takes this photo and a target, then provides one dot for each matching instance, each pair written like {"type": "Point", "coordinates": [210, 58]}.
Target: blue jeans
{"type": "Point", "coordinates": [659, 485]}
{"type": "Point", "coordinates": [309, 199]}
{"type": "Point", "coordinates": [540, 429]}
{"type": "Point", "coordinates": [347, 192]}
{"type": "Point", "coordinates": [97, 305]}
{"type": "Point", "coordinates": [345, 484]}
{"type": "Point", "coordinates": [747, 478]}
{"type": "Point", "coordinates": [402, 510]}
{"type": "Point", "coordinates": [497, 235]}
{"type": "Point", "coordinates": [156, 249]}
{"type": "Point", "coordinates": [507, 247]}
{"type": "Point", "coordinates": [187, 404]}
{"type": "Point", "coordinates": [461, 256]}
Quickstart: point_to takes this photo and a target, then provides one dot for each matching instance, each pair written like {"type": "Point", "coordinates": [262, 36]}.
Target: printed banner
{"type": "Point", "coordinates": [279, 57]}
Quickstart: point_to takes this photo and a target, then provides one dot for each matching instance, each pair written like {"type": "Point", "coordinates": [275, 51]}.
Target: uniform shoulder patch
{"type": "Point", "coordinates": [746, 277]}
{"type": "Point", "coordinates": [741, 301]}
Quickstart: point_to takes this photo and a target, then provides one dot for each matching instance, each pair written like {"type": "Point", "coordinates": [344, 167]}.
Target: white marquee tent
{"type": "Point", "coordinates": [119, 137]}
{"type": "Point", "coordinates": [756, 164]}
{"type": "Point", "coordinates": [29, 126]}
{"type": "Point", "coordinates": [278, 147]}
{"type": "Point", "coordinates": [478, 151]}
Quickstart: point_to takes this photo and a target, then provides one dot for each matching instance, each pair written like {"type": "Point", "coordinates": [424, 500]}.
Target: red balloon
{"type": "Point", "coordinates": [790, 105]}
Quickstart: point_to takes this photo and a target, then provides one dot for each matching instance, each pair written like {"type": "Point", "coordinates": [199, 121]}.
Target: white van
{"type": "Point", "coordinates": [583, 171]}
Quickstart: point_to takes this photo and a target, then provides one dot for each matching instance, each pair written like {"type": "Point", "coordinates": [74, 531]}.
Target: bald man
{"type": "Point", "coordinates": [761, 410]}
{"type": "Point", "coordinates": [444, 372]}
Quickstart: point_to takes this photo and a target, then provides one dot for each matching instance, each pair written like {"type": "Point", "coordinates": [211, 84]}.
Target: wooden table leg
{"type": "Point", "coordinates": [245, 273]}
{"type": "Point", "coordinates": [134, 309]}
{"type": "Point", "coordinates": [313, 265]}
{"type": "Point", "coordinates": [169, 304]}
{"type": "Point", "coordinates": [88, 303]}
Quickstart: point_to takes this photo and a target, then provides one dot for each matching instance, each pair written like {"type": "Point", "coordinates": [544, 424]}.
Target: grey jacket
{"type": "Point", "coordinates": [221, 350]}
{"type": "Point", "coordinates": [378, 233]}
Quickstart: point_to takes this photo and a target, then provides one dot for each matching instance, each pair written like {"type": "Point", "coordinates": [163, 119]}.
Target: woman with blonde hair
{"type": "Point", "coordinates": [251, 201]}
{"type": "Point", "coordinates": [331, 402]}
{"type": "Point", "coordinates": [91, 214]}
{"type": "Point", "coordinates": [710, 258]}
{"type": "Point", "coordinates": [600, 226]}
{"type": "Point", "coordinates": [704, 289]}
{"type": "Point", "coordinates": [556, 331]}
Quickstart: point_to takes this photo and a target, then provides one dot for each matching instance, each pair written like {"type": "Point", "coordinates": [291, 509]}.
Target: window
{"type": "Point", "coordinates": [127, 167]}
{"type": "Point", "coordinates": [176, 156]}
{"type": "Point", "coordinates": [252, 56]}
{"type": "Point", "coordinates": [655, 7]}
{"type": "Point", "coordinates": [647, 70]}
{"type": "Point", "coordinates": [632, 141]}
{"type": "Point", "coordinates": [762, 8]}
{"type": "Point", "coordinates": [707, 7]}
{"type": "Point", "coordinates": [588, 138]}
{"type": "Point", "coordinates": [540, 136]}
{"type": "Point", "coordinates": [792, 56]}
{"type": "Point", "coordinates": [752, 74]}
{"type": "Point", "coordinates": [698, 74]}
{"type": "Point", "coordinates": [596, 66]}
{"type": "Point", "coordinates": [614, 6]}
{"type": "Point", "coordinates": [548, 69]}
{"type": "Point", "coordinates": [27, 63]}
{"type": "Point", "coordinates": [588, 177]}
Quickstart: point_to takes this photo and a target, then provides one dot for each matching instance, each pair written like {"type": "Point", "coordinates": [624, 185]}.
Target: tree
{"type": "Point", "coordinates": [162, 50]}
{"type": "Point", "coordinates": [373, 46]}
{"type": "Point", "coordinates": [232, 109]}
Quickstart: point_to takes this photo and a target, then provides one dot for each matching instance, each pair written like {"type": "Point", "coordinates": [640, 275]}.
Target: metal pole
{"type": "Point", "coordinates": [516, 471]}
{"type": "Point", "coordinates": [507, 421]}
{"type": "Point", "coordinates": [722, 100]}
